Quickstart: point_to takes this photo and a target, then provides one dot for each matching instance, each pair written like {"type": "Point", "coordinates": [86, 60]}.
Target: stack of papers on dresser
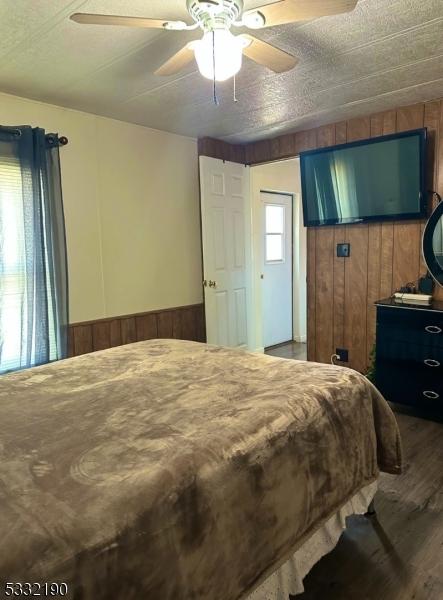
{"type": "Point", "coordinates": [413, 298]}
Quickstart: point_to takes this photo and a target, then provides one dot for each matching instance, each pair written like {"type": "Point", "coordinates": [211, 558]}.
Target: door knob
{"type": "Point", "coordinates": [205, 283]}
{"type": "Point", "coordinates": [212, 284]}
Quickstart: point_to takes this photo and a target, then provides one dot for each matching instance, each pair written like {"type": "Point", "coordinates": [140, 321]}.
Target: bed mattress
{"type": "Point", "coordinates": [177, 470]}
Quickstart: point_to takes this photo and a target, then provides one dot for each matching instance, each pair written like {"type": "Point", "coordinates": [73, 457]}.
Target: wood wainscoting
{"type": "Point", "coordinates": [384, 256]}
{"type": "Point", "coordinates": [182, 323]}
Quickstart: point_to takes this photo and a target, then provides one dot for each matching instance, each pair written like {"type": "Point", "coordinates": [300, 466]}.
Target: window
{"type": "Point", "coordinates": [14, 320]}
{"type": "Point", "coordinates": [12, 274]}
{"type": "Point", "coordinates": [33, 288]}
{"type": "Point", "coordinates": [274, 233]}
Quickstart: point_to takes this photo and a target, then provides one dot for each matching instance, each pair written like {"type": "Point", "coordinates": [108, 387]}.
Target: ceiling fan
{"type": "Point", "coordinates": [219, 53]}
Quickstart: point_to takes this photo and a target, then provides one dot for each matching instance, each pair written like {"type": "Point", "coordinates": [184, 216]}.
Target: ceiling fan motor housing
{"type": "Point", "coordinates": [215, 14]}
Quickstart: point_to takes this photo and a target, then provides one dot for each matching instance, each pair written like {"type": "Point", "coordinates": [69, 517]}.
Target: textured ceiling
{"type": "Point", "coordinates": [384, 54]}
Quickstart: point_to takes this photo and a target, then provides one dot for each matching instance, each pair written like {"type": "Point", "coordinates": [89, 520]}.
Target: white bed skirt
{"type": "Point", "coordinates": [288, 579]}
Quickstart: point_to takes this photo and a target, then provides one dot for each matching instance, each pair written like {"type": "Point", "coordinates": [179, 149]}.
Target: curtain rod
{"type": "Point", "coordinates": [62, 140]}
{"type": "Point", "coordinates": [51, 138]}
{"type": "Point", "coordinates": [11, 130]}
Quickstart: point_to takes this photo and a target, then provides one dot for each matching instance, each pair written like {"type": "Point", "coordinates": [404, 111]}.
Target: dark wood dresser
{"type": "Point", "coordinates": [409, 355]}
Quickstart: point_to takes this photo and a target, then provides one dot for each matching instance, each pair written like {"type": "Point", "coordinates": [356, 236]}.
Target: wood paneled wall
{"type": "Point", "coordinates": [184, 323]}
{"type": "Point", "coordinates": [222, 150]}
{"type": "Point", "coordinates": [384, 256]}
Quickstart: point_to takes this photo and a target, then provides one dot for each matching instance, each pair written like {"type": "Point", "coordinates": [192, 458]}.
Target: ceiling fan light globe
{"type": "Point", "coordinates": [227, 50]}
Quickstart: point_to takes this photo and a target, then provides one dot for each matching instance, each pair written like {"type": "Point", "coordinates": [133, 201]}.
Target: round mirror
{"type": "Point", "coordinates": [433, 244]}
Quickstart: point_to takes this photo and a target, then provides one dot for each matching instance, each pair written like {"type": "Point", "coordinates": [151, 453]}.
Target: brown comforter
{"type": "Point", "coordinates": [174, 470]}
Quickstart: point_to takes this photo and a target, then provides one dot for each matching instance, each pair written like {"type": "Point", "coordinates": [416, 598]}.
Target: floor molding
{"type": "Point", "coordinates": [301, 339]}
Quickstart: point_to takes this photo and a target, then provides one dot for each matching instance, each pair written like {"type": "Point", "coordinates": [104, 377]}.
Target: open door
{"type": "Point", "coordinates": [226, 236]}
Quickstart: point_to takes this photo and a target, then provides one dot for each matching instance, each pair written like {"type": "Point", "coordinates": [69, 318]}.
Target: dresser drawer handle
{"type": "Point", "coordinates": [433, 329]}
{"type": "Point", "coordinates": [430, 362]}
{"type": "Point", "coordinates": [431, 395]}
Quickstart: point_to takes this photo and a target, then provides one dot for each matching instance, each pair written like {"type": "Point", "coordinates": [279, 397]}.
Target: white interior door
{"type": "Point", "coordinates": [277, 268]}
{"type": "Point", "coordinates": [226, 233]}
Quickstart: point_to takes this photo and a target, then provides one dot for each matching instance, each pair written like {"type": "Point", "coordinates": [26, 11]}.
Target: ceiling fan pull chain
{"type": "Point", "coordinates": [216, 102]}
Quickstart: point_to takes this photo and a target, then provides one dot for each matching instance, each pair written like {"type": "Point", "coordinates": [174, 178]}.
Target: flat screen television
{"type": "Point", "coordinates": [372, 180]}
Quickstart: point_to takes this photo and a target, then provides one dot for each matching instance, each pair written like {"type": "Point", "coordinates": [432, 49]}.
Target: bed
{"type": "Point", "coordinates": [169, 469]}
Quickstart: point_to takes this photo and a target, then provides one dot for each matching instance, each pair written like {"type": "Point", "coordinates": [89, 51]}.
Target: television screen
{"type": "Point", "coordinates": [377, 179]}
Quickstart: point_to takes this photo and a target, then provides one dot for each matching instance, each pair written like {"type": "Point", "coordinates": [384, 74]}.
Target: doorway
{"type": "Point", "coordinates": [253, 264]}
{"type": "Point", "coordinates": [279, 256]}
{"type": "Point", "coordinates": [277, 268]}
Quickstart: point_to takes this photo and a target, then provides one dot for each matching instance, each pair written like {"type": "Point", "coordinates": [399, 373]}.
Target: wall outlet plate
{"type": "Point", "coordinates": [343, 354]}
{"type": "Point", "coordinates": [343, 250]}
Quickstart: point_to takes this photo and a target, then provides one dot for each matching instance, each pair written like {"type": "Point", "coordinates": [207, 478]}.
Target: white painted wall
{"type": "Point", "coordinates": [132, 211]}
{"type": "Point", "coordinates": [282, 176]}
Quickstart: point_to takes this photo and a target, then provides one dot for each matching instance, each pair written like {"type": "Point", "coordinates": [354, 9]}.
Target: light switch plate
{"type": "Point", "coordinates": [343, 354]}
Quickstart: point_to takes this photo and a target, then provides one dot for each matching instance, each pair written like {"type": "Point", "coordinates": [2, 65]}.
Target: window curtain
{"type": "Point", "coordinates": [33, 267]}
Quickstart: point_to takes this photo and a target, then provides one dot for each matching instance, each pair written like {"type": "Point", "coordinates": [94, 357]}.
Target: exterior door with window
{"type": "Point", "coordinates": [277, 268]}
{"type": "Point", "coordinates": [226, 236]}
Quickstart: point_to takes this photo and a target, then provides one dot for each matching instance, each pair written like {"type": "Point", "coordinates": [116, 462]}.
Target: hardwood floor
{"type": "Point", "coordinates": [294, 350]}
{"type": "Point", "coordinates": [399, 554]}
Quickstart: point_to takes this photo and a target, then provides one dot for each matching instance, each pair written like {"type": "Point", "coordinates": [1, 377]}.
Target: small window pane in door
{"type": "Point", "coordinates": [274, 247]}
{"type": "Point", "coordinates": [275, 218]}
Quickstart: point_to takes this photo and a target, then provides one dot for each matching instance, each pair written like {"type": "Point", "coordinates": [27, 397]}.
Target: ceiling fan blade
{"type": "Point", "coordinates": [267, 55]}
{"type": "Point", "coordinates": [289, 11]}
{"type": "Point", "coordinates": [177, 62]}
{"type": "Point", "coordinates": [89, 19]}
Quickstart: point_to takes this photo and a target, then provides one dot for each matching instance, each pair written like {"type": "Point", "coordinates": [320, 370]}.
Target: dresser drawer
{"type": "Point", "coordinates": [415, 327]}
{"type": "Point", "coordinates": [430, 357]}
{"type": "Point", "coordinates": [410, 384]}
